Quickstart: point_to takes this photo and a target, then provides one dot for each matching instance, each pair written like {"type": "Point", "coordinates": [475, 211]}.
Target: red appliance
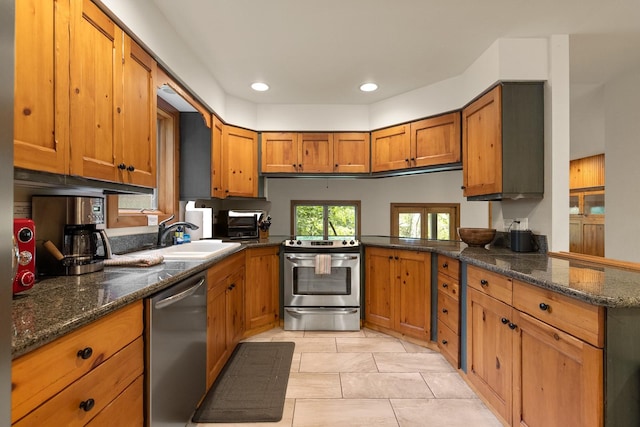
{"type": "Point", "coordinates": [24, 231]}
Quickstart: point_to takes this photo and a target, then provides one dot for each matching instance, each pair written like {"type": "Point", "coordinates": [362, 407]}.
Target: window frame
{"type": "Point", "coordinates": [325, 204]}
{"type": "Point", "coordinates": [424, 209]}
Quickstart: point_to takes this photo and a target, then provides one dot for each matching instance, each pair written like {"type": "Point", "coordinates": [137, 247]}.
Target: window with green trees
{"type": "Point", "coordinates": [425, 220]}
{"type": "Point", "coordinates": [313, 219]}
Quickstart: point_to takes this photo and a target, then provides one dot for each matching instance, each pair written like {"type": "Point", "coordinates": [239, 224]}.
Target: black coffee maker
{"type": "Point", "coordinates": [71, 235]}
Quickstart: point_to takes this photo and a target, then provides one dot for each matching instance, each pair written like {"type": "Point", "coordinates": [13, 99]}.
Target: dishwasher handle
{"type": "Point", "coordinates": [172, 299]}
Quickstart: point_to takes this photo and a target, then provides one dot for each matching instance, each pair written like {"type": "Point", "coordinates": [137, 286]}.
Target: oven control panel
{"type": "Point", "coordinates": [322, 243]}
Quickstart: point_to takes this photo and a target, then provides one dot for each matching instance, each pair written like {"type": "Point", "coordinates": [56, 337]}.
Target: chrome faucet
{"type": "Point", "coordinates": [164, 230]}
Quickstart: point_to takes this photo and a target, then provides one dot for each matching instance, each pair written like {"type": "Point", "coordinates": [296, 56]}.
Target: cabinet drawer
{"type": "Point", "coordinates": [448, 285]}
{"type": "Point", "coordinates": [449, 311]}
{"type": "Point", "coordinates": [582, 320]}
{"type": "Point", "coordinates": [100, 387]}
{"type": "Point", "coordinates": [449, 266]}
{"type": "Point", "coordinates": [449, 344]}
{"type": "Point", "coordinates": [493, 284]}
{"type": "Point", "coordinates": [126, 409]}
{"type": "Point", "coordinates": [38, 375]}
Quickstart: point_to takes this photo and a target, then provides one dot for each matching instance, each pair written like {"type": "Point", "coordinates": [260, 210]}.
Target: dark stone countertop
{"type": "Point", "coordinates": [58, 305]}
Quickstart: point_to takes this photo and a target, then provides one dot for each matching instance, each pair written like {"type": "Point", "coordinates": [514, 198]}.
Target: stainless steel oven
{"type": "Point", "coordinates": [321, 285]}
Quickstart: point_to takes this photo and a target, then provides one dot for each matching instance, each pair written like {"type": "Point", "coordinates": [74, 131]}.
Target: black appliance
{"type": "Point", "coordinates": [237, 224]}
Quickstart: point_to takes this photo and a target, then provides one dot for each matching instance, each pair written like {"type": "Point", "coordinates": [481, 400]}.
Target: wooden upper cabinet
{"type": "Point", "coordinates": [217, 186]}
{"type": "Point", "coordinates": [315, 152]}
{"type": "Point", "coordinates": [503, 143]}
{"type": "Point", "coordinates": [587, 172]}
{"type": "Point", "coordinates": [239, 162]}
{"type": "Point", "coordinates": [279, 152]}
{"type": "Point", "coordinates": [96, 92]}
{"type": "Point", "coordinates": [139, 112]}
{"type": "Point", "coordinates": [351, 152]}
{"type": "Point", "coordinates": [41, 91]}
{"type": "Point", "coordinates": [390, 148]}
{"type": "Point", "coordinates": [436, 141]}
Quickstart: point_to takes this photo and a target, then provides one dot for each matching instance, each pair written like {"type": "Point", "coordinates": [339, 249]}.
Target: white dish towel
{"type": "Point", "coordinates": [323, 264]}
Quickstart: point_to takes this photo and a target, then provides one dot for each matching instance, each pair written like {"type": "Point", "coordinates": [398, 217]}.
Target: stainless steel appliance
{"type": "Point", "coordinates": [237, 224]}
{"type": "Point", "coordinates": [24, 232]}
{"type": "Point", "coordinates": [321, 283]}
{"type": "Point", "coordinates": [176, 352]}
{"type": "Point", "coordinates": [71, 234]}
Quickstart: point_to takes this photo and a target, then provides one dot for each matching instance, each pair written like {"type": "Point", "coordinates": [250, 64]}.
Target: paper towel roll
{"type": "Point", "coordinates": [195, 217]}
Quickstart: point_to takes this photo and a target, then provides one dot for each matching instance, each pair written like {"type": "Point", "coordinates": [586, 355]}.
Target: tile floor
{"type": "Point", "coordinates": [367, 378]}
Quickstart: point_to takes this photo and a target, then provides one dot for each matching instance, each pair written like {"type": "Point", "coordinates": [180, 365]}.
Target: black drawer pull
{"type": "Point", "coordinates": [445, 265]}
{"type": "Point", "coordinates": [512, 325]}
{"type": "Point", "coordinates": [85, 353]}
{"type": "Point", "coordinates": [445, 311]}
{"type": "Point", "coordinates": [483, 282]}
{"type": "Point", "coordinates": [504, 320]}
{"type": "Point", "coordinates": [444, 285]}
{"type": "Point", "coordinates": [544, 307]}
{"type": "Point", "coordinates": [87, 405]}
{"type": "Point", "coordinates": [445, 342]}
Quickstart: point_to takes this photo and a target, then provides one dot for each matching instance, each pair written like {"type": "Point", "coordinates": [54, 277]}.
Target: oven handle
{"type": "Point", "coordinates": [312, 256]}
{"type": "Point", "coordinates": [321, 310]}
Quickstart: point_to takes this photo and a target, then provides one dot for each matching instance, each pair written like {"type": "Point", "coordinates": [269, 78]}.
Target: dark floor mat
{"type": "Point", "coordinates": [251, 387]}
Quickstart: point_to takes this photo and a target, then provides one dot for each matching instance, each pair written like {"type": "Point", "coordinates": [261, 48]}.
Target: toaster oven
{"type": "Point", "coordinates": [237, 224]}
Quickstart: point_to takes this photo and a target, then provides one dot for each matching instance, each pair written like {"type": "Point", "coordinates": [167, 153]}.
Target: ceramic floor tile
{"type": "Point", "coordinates": [412, 362]}
{"type": "Point", "coordinates": [443, 413]}
{"type": "Point", "coordinates": [314, 386]}
{"type": "Point", "coordinates": [311, 345]}
{"type": "Point", "coordinates": [384, 386]}
{"type": "Point", "coordinates": [334, 334]}
{"type": "Point", "coordinates": [337, 362]}
{"type": "Point", "coordinates": [295, 362]}
{"type": "Point", "coordinates": [414, 348]}
{"type": "Point", "coordinates": [370, 333]}
{"type": "Point", "coordinates": [344, 412]}
{"type": "Point", "coordinates": [286, 421]}
{"type": "Point", "coordinates": [448, 385]}
{"type": "Point", "coordinates": [277, 333]}
{"type": "Point", "coordinates": [369, 345]}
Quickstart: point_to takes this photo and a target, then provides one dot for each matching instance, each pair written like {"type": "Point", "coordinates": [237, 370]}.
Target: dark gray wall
{"type": "Point", "coordinates": [7, 18]}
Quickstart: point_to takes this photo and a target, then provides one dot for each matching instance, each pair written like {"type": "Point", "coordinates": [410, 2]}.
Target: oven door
{"type": "Point", "coordinates": [338, 288]}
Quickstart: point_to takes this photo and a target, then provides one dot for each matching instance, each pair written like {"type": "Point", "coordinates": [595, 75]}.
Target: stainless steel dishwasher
{"type": "Point", "coordinates": [176, 351]}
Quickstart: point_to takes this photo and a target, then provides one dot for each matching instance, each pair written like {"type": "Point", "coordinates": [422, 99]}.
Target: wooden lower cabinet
{"type": "Point", "coordinates": [398, 291]}
{"type": "Point", "coordinates": [448, 309]}
{"type": "Point", "coordinates": [261, 289]}
{"type": "Point", "coordinates": [82, 377]}
{"type": "Point", "coordinates": [523, 361]}
{"type": "Point", "coordinates": [225, 312]}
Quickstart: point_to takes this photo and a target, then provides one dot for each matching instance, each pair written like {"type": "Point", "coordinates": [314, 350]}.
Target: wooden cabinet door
{"type": "Point", "coordinates": [390, 148]}
{"type": "Point", "coordinates": [489, 350]}
{"type": "Point", "coordinates": [436, 141]}
{"type": "Point", "coordinates": [482, 145]}
{"type": "Point", "coordinates": [41, 86]}
{"type": "Point", "coordinates": [379, 283]}
{"type": "Point", "coordinates": [96, 92]}
{"type": "Point", "coordinates": [235, 307]}
{"type": "Point", "coordinates": [217, 181]}
{"type": "Point", "coordinates": [261, 287]}
{"type": "Point", "coordinates": [279, 152]}
{"type": "Point", "coordinates": [413, 290]}
{"type": "Point", "coordinates": [575, 234]}
{"type": "Point", "coordinates": [139, 113]}
{"type": "Point", "coordinates": [351, 152]}
{"type": "Point", "coordinates": [593, 236]}
{"type": "Point", "coordinates": [240, 162]}
{"type": "Point", "coordinates": [558, 379]}
{"type": "Point", "coordinates": [218, 349]}
{"type": "Point", "coordinates": [315, 152]}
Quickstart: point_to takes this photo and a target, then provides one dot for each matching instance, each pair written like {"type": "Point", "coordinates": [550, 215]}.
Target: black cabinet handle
{"type": "Point", "coordinates": [445, 311]}
{"type": "Point", "coordinates": [544, 307]}
{"type": "Point", "coordinates": [122, 166]}
{"type": "Point", "coordinates": [483, 282]}
{"type": "Point", "coordinates": [87, 405]}
{"type": "Point", "coordinates": [462, 187]}
{"type": "Point", "coordinates": [131, 168]}
{"type": "Point", "coordinates": [337, 165]}
{"type": "Point", "coordinates": [85, 353]}
{"type": "Point", "coordinates": [395, 257]}
{"type": "Point", "coordinates": [444, 285]}
{"type": "Point", "coordinates": [445, 342]}
{"type": "Point", "coordinates": [445, 265]}
{"type": "Point", "coordinates": [512, 325]}
{"type": "Point", "coordinates": [390, 257]}
{"type": "Point", "coordinates": [504, 320]}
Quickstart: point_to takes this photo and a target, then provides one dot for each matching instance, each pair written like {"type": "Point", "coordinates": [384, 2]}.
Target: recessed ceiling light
{"type": "Point", "coordinates": [259, 86]}
{"type": "Point", "coordinates": [368, 87]}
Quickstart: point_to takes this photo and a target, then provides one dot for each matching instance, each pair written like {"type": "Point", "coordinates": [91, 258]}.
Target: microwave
{"type": "Point", "coordinates": [237, 224]}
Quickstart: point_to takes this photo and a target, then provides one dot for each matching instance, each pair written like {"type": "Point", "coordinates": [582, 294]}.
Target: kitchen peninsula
{"type": "Point", "coordinates": [58, 306]}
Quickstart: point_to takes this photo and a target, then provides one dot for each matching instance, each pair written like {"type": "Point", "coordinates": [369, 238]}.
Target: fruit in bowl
{"type": "Point", "coordinates": [477, 237]}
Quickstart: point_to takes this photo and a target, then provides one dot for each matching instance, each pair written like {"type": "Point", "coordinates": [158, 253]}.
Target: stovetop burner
{"type": "Point", "coordinates": [347, 242]}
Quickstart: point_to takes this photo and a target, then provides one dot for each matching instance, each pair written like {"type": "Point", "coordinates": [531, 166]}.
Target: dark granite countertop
{"type": "Point", "coordinates": [58, 305]}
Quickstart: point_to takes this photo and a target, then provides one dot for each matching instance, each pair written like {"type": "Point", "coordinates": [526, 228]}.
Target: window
{"type": "Point", "coordinates": [425, 220]}
{"type": "Point", "coordinates": [326, 220]}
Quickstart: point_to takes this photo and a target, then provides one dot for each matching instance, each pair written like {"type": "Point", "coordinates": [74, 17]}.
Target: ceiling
{"type": "Point", "coordinates": [319, 52]}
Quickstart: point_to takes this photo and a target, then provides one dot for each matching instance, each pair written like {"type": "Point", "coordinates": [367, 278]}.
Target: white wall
{"type": "Point", "coordinates": [375, 196]}
{"type": "Point", "coordinates": [622, 174]}
{"type": "Point", "coordinates": [587, 120]}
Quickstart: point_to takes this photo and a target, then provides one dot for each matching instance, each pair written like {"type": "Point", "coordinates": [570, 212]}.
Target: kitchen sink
{"type": "Point", "coordinates": [197, 250]}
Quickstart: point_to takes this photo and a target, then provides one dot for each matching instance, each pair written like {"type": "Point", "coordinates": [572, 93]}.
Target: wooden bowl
{"type": "Point", "coordinates": [477, 237]}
